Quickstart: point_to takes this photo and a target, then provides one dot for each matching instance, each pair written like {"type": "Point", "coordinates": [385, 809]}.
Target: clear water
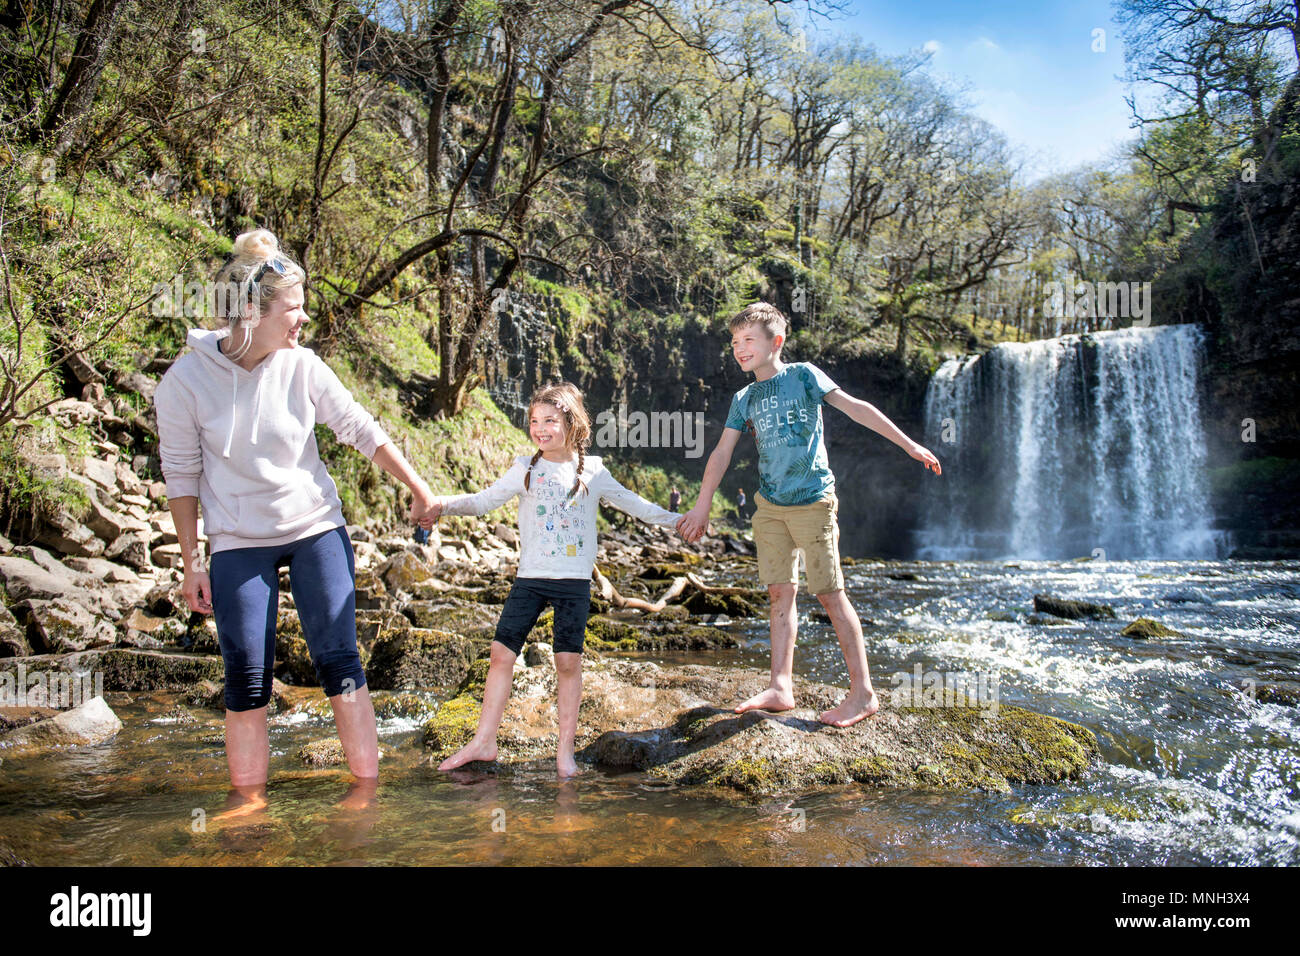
{"type": "Point", "coordinates": [1194, 770]}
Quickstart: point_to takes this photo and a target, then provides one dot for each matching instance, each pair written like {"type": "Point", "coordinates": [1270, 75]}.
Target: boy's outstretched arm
{"type": "Point", "coordinates": [696, 521]}
{"type": "Point", "coordinates": [869, 416]}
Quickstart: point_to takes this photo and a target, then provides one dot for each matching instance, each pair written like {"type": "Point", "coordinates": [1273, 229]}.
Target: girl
{"type": "Point", "coordinates": [559, 489]}
{"type": "Point", "coordinates": [235, 432]}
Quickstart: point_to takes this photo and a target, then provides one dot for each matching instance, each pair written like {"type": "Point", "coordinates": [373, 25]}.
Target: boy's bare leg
{"type": "Point", "coordinates": [861, 701]}
{"type": "Point", "coordinates": [248, 754]}
{"type": "Point", "coordinates": [501, 671]}
{"type": "Point", "coordinates": [780, 690]}
{"type": "Point", "coordinates": [568, 697]}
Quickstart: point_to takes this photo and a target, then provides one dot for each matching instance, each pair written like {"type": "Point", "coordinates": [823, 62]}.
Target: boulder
{"type": "Point", "coordinates": [403, 570]}
{"type": "Point", "coordinates": [68, 536]}
{"type": "Point", "coordinates": [24, 579]}
{"type": "Point", "coordinates": [677, 725]}
{"type": "Point", "coordinates": [406, 658]}
{"type": "Point", "coordinates": [138, 670]}
{"type": "Point", "coordinates": [1145, 627]}
{"type": "Point", "coordinates": [131, 548]}
{"type": "Point", "coordinates": [62, 626]}
{"type": "Point", "coordinates": [1072, 610]}
{"type": "Point", "coordinates": [91, 723]}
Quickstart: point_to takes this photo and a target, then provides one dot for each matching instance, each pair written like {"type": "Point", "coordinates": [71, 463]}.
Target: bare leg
{"type": "Point", "coordinates": [354, 716]}
{"type": "Point", "coordinates": [861, 700]}
{"type": "Point", "coordinates": [780, 691]}
{"type": "Point", "coordinates": [248, 754]}
{"type": "Point", "coordinates": [568, 697]}
{"type": "Point", "coordinates": [496, 692]}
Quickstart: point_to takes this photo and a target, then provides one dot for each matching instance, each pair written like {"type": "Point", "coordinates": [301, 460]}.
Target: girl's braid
{"type": "Point", "coordinates": [528, 475]}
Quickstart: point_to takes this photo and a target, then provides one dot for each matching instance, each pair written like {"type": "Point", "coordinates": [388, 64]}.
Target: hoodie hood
{"type": "Point", "coordinates": [205, 343]}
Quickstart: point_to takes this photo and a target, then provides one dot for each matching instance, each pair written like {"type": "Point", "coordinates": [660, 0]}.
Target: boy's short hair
{"type": "Point", "coordinates": [771, 318]}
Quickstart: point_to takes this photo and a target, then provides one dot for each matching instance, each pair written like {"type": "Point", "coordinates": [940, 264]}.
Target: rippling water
{"type": "Point", "coordinates": [1195, 770]}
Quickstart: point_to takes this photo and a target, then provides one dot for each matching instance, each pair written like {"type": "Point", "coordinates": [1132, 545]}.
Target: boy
{"type": "Point", "coordinates": [796, 504]}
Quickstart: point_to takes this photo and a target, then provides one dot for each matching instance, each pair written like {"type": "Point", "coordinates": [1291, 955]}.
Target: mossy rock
{"type": "Point", "coordinates": [452, 726]}
{"type": "Point", "coordinates": [1286, 694]}
{"type": "Point", "coordinates": [1144, 628]}
{"type": "Point", "coordinates": [389, 704]}
{"type": "Point", "coordinates": [732, 605]}
{"type": "Point", "coordinates": [407, 658]}
{"type": "Point", "coordinates": [462, 618]}
{"type": "Point", "coordinates": [1071, 610]}
{"type": "Point", "coordinates": [140, 670]}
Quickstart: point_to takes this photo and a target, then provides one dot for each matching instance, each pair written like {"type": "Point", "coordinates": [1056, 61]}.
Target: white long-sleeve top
{"type": "Point", "coordinates": [557, 532]}
{"type": "Point", "coordinates": [244, 442]}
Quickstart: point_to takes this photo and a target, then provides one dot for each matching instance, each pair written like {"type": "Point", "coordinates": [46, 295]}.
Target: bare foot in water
{"type": "Point", "coordinates": [361, 794]}
{"type": "Point", "coordinates": [566, 767]}
{"type": "Point", "coordinates": [242, 803]}
{"type": "Point", "coordinates": [772, 699]}
{"type": "Point", "coordinates": [471, 751]}
{"type": "Point", "coordinates": [851, 709]}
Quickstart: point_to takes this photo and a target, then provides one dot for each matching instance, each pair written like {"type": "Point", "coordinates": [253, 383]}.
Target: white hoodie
{"type": "Point", "coordinates": [243, 442]}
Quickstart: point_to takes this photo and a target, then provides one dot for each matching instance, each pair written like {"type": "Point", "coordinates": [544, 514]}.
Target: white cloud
{"type": "Point", "coordinates": [984, 43]}
{"type": "Point", "coordinates": [932, 46]}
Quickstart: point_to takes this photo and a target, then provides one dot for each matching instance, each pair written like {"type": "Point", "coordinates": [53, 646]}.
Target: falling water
{"type": "Point", "coordinates": [1081, 445]}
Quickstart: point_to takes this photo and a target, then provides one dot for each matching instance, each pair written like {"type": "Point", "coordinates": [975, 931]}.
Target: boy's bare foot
{"type": "Point", "coordinates": [361, 794]}
{"type": "Point", "coordinates": [772, 699]}
{"type": "Point", "coordinates": [851, 709]}
{"type": "Point", "coordinates": [471, 751]}
{"type": "Point", "coordinates": [566, 767]}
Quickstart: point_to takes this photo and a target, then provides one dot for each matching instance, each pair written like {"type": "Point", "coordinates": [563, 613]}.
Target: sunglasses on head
{"type": "Point", "coordinates": [274, 264]}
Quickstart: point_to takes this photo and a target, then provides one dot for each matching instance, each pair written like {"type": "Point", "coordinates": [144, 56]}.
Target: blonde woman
{"type": "Point", "coordinates": [235, 428]}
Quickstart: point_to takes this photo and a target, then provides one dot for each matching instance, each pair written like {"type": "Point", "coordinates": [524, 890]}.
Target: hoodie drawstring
{"type": "Point", "coordinates": [257, 407]}
{"type": "Point", "coordinates": [234, 399]}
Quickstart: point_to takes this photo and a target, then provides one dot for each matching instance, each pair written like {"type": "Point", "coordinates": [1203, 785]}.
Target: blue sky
{"type": "Point", "coordinates": [1030, 67]}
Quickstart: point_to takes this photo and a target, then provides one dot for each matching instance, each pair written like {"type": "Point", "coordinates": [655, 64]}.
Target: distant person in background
{"type": "Point", "coordinates": [740, 503]}
{"type": "Point", "coordinates": [235, 433]}
{"type": "Point", "coordinates": [674, 499]}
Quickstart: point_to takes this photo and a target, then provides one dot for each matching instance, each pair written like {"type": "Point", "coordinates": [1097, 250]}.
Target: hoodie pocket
{"type": "Point", "coordinates": [278, 512]}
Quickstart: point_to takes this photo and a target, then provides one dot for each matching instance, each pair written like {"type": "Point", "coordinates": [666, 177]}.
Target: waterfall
{"type": "Point", "coordinates": [1081, 445]}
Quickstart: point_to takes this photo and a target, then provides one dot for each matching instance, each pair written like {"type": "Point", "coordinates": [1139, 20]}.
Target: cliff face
{"type": "Point", "coordinates": [1247, 273]}
{"type": "Point", "coordinates": [690, 369]}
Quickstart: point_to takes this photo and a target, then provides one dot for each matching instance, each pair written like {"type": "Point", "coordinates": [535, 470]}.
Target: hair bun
{"type": "Point", "coordinates": [257, 244]}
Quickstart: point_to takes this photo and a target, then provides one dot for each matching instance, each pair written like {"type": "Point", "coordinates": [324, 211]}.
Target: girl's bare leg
{"type": "Point", "coordinates": [501, 671]}
{"type": "Point", "coordinates": [568, 697]}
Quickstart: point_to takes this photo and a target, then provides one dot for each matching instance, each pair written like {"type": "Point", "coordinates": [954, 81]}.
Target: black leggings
{"type": "Point", "coordinates": [571, 598]}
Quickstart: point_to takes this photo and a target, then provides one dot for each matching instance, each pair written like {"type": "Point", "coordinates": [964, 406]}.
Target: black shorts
{"type": "Point", "coordinates": [571, 599]}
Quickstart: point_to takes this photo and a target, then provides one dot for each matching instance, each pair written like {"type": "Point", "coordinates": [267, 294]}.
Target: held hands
{"type": "Point", "coordinates": [925, 457]}
{"type": "Point", "coordinates": [693, 525]}
{"type": "Point", "coordinates": [426, 508]}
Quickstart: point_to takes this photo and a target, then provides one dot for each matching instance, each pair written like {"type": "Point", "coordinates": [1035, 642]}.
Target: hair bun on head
{"type": "Point", "coordinates": [257, 244]}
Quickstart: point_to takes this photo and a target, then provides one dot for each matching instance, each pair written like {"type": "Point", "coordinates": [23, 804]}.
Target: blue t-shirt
{"type": "Point", "coordinates": [785, 415]}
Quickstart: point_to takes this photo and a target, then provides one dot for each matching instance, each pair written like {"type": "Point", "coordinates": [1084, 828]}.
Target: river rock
{"type": "Point", "coordinates": [676, 724]}
{"type": "Point", "coordinates": [407, 658]}
{"type": "Point", "coordinates": [91, 723]}
{"type": "Point", "coordinates": [62, 626]}
{"type": "Point", "coordinates": [1145, 627]}
{"type": "Point", "coordinates": [1073, 610]}
{"type": "Point", "coordinates": [138, 670]}
{"type": "Point", "coordinates": [68, 536]}
{"type": "Point", "coordinates": [26, 579]}
{"type": "Point", "coordinates": [403, 570]}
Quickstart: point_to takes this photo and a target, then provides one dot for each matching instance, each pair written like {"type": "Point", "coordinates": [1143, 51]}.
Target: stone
{"type": "Point", "coordinates": [13, 642]}
{"type": "Point", "coordinates": [539, 654]}
{"type": "Point", "coordinates": [168, 556]}
{"type": "Point", "coordinates": [139, 670]}
{"type": "Point", "coordinates": [68, 536]}
{"type": "Point", "coordinates": [62, 626]}
{"type": "Point", "coordinates": [164, 529]}
{"type": "Point", "coordinates": [323, 753]}
{"type": "Point", "coordinates": [131, 548]}
{"type": "Point", "coordinates": [403, 570]}
{"type": "Point", "coordinates": [1145, 627]}
{"type": "Point", "coordinates": [129, 482]}
{"type": "Point", "coordinates": [102, 473]}
{"type": "Point", "coordinates": [102, 569]}
{"type": "Point", "coordinates": [408, 658]}
{"type": "Point", "coordinates": [1071, 610]}
{"type": "Point", "coordinates": [506, 533]}
{"type": "Point", "coordinates": [25, 579]}
{"type": "Point", "coordinates": [87, 725]}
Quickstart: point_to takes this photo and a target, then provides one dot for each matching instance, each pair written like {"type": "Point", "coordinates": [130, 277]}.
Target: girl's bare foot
{"type": "Point", "coordinates": [851, 709]}
{"type": "Point", "coordinates": [474, 750]}
{"type": "Point", "coordinates": [772, 699]}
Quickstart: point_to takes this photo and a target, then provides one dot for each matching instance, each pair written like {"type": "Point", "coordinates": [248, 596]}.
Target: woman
{"type": "Point", "coordinates": [235, 430]}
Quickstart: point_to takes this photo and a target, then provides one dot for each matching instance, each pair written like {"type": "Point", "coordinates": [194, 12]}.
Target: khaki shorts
{"type": "Point", "coordinates": [781, 529]}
